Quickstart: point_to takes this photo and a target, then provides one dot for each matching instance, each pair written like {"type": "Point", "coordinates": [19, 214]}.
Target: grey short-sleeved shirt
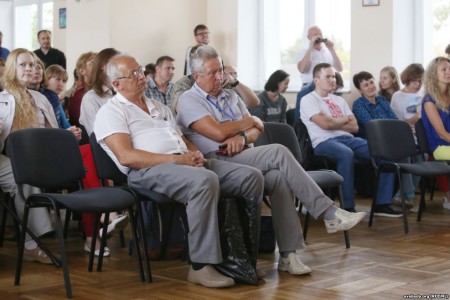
{"type": "Point", "coordinates": [194, 105]}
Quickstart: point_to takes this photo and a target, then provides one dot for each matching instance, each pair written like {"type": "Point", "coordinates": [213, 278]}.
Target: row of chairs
{"type": "Point", "coordinates": [51, 160]}
{"type": "Point", "coordinates": [393, 149]}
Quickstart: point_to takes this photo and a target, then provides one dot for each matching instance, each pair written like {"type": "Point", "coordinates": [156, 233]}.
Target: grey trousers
{"type": "Point", "coordinates": [200, 190]}
{"type": "Point", "coordinates": [39, 218]}
{"type": "Point", "coordinates": [284, 177]}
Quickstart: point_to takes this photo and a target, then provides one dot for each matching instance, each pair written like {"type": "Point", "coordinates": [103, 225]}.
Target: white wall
{"type": "Point", "coordinates": [5, 22]}
{"type": "Point", "coordinates": [147, 29]}
{"type": "Point", "coordinates": [371, 43]}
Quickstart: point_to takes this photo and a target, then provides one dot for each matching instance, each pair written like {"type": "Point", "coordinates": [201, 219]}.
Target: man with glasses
{"type": "Point", "coordinates": [219, 124]}
{"type": "Point", "coordinates": [142, 138]}
{"type": "Point", "coordinates": [201, 35]}
{"type": "Point", "coordinates": [331, 125]}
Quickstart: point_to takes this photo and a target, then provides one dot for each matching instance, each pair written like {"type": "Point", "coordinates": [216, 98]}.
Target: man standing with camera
{"type": "Point", "coordinates": [315, 54]}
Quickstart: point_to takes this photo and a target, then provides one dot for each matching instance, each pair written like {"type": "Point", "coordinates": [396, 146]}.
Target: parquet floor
{"type": "Point", "coordinates": [382, 263]}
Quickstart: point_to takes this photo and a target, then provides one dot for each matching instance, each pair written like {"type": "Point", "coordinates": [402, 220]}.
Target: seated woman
{"type": "Point", "coordinates": [22, 108]}
{"type": "Point", "coordinates": [37, 84]}
{"type": "Point", "coordinates": [436, 115]}
{"type": "Point", "coordinates": [83, 70]}
{"type": "Point", "coordinates": [101, 90]}
{"type": "Point", "coordinates": [389, 82]}
{"type": "Point", "coordinates": [406, 102]}
{"type": "Point", "coordinates": [371, 106]}
{"type": "Point", "coordinates": [272, 107]}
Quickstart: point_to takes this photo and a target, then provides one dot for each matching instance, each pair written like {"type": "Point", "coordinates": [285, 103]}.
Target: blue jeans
{"type": "Point", "coordinates": [343, 150]}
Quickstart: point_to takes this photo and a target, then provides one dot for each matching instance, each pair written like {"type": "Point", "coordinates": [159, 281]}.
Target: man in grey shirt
{"type": "Point", "coordinates": [210, 116]}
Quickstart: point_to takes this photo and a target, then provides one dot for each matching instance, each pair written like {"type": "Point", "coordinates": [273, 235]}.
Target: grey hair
{"type": "Point", "coordinates": [112, 67]}
{"type": "Point", "coordinates": [199, 56]}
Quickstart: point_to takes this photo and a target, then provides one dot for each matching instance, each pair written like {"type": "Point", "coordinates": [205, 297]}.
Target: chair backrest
{"type": "Point", "coordinates": [290, 116]}
{"type": "Point", "coordinates": [105, 166]}
{"type": "Point", "coordinates": [281, 133]}
{"type": "Point", "coordinates": [422, 139]}
{"type": "Point", "coordinates": [304, 141]}
{"type": "Point", "coordinates": [47, 158]}
{"type": "Point", "coordinates": [390, 139]}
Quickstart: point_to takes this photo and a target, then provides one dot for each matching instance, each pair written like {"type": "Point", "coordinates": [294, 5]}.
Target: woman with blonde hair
{"type": "Point", "coordinates": [436, 114]}
{"type": "Point", "coordinates": [389, 82]}
{"type": "Point", "coordinates": [22, 108]}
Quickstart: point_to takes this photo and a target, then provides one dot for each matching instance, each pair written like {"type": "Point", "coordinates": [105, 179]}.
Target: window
{"type": "Point", "coordinates": [440, 29]}
{"type": "Point", "coordinates": [276, 32]}
{"type": "Point", "coordinates": [30, 16]}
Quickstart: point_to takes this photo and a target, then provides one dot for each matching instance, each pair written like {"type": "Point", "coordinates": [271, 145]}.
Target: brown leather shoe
{"type": "Point", "coordinates": [209, 277]}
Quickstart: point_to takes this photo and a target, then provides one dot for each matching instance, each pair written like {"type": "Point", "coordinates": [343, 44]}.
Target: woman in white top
{"type": "Point", "coordinates": [21, 108]}
{"type": "Point", "coordinates": [406, 103]}
{"type": "Point", "coordinates": [101, 90]}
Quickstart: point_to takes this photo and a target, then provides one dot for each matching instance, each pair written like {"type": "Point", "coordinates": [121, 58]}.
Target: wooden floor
{"type": "Point", "coordinates": [382, 263]}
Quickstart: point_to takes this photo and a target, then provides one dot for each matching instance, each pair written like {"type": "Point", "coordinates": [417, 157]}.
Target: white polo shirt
{"type": "Point", "coordinates": [156, 132]}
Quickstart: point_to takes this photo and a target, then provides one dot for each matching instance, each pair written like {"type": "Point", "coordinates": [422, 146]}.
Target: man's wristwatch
{"type": "Point", "coordinates": [235, 84]}
{"type": "Point", "coordinates": [242, 133]}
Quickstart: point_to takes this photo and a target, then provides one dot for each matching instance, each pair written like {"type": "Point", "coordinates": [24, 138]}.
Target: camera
{"type": "Point", "coordinates": [320, 40]}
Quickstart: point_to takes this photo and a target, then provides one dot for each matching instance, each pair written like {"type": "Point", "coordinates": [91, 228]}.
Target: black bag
{"type": "Point", "coordinates": [238, 235]}
{"type": "Point", "coordinates": [267, 235]}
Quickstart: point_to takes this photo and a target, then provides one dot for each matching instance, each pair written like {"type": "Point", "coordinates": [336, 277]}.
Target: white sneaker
{"type": "Point", "coordinates": [293, 265]}
{"type": "Point", "coordinates": [120, 222]}
{"type": "Point", "coordinates": [446, 204]}
{"type": "Point", "coordinates": [343, 220]}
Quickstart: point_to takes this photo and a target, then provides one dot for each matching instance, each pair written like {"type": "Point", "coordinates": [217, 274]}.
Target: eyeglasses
{"type": "Point", "coordinates": [134, 74]}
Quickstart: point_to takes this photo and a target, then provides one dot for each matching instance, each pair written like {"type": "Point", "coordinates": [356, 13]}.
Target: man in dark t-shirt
{"type": "Point", "coordinates": [49, 55]}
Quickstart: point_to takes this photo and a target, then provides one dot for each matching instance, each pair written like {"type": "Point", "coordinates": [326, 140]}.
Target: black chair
{"type": "Point", "coordinates": [107, 170]}
{"type": "Point", "coordinates": [393, 150]}
{"type": "Point", "coordinates": [311, 161]}
{"type": "Point", "coordinates": [290, 116]}
{"type": "Point", "coordinates": [424, 148]}
{"type": "Point", "coordinates": [279, 133]}
{"type": "Point", "coordinates": [51, 160]}
{"type": "Point", "coordinates": [8, 206]}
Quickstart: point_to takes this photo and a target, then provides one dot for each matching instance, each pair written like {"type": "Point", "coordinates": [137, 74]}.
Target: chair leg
{"type": "Point", "coordinates": [404, 210]}
{"type": "Point", "coordinates": [306, 225]}
{"type": "Point", "coordinates": [18, 224]}
{"type": "Point", "coordinates": [5, 202]}
{"type": "Point", "coordinates": [185, 225]}
{"type": "Point", "coordinates": [102, 241]}
{"type": "Point", "coordinates": [374, 199]}
{"type": "Point", "coordinates": [122, 238]}
{"type": "Point", "coordinates": [422, 200]}
{"type": "Point", "coordinates": [341, 204]}
{"type": "Point", "coordinates": [66, 222]}
{"type": "Point", "coordinates": [143, 240]}
{"type": "Point", "coordinates": [21, 245]}
{"type": "Point", "coordinates": [94, 240]}
{"type": "Point", "coordinates": [62, 249]}
{"type": "Point", "coordinates": [134, 225]}
{"type": "Point", "coordinates": [166, 233]}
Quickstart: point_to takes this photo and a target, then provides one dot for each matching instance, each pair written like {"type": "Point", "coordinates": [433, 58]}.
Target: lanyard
{"type": "Point", "coordinates": [217, 106]}
{"type": "Point", "coordinates": [231, 116]}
